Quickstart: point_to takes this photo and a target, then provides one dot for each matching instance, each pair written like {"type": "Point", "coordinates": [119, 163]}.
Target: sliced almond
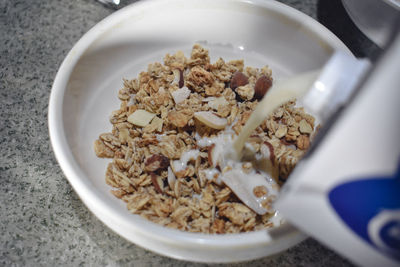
{"type": "Point", "coordinates": [180, 95]}
{"type": "Point", "coordinates": [171, 178]}
{"type": "Point", "coordinates": [211, 120]}
{"type": "Point", "coordinates": [141, 117]}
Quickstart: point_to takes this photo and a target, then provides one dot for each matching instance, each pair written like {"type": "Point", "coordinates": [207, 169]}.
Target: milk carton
{"type": "Point", "coordinates": [346, 191]}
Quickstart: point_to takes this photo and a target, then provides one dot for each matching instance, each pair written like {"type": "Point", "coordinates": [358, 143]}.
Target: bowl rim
{"type": "Point", "coordinates": [93, 197]}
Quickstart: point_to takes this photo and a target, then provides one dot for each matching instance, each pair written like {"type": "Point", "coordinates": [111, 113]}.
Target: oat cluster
{"type": "Point", "coordinates": [162, 111]}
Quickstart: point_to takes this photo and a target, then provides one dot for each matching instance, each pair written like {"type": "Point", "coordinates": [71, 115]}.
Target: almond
{"type": "Point", "coordinates": [261, 87]}
{"type": "Point", "coordinates": [141, 117]}
{"type": "Point", "coordinates": [238, 79]}
{"type": "Point", "coordinates": [211, 120]}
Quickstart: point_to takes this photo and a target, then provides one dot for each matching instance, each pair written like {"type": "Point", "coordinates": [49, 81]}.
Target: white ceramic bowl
{"type": "Point", "coordinates": [85, 92]}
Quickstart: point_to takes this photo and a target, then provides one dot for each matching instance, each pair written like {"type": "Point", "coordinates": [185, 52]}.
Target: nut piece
{"type": "Point", "coordinates": [262, 85]}
{"type": "Point", "coordinates": [304, 127]}
{"type": "Point", "coordinates": [141, 117]}
{"type": "Point", "coordinates": [156, 162]}
{"type": "Point", "coordinates": [180, 95]}
{"type": "Point", "coordinates": [238, 79]}
{"type": "Point", "coordinates": [211, 120]}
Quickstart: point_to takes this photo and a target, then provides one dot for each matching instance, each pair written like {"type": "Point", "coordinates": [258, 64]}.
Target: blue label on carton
{"type": "Point", "coordinates": [371, 208]}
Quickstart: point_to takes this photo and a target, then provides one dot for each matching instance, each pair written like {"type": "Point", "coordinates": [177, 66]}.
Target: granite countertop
{"type": "Point", "coordinates": [42, 221]}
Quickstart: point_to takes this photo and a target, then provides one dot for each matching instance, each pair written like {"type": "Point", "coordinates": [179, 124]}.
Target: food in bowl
{"type": "Point", "coordinates": [164, 133]}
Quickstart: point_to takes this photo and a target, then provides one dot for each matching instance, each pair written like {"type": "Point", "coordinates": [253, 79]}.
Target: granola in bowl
{"type": "Point", "coordinates": [164, 133]}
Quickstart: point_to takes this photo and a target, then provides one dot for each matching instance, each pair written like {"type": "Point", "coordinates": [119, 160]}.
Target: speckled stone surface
{"type": "Point", "coordinates": [42, 221]}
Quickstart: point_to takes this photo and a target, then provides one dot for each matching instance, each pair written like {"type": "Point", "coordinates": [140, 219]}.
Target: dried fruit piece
{"type": "Point", "coordinates": [141, 117]}
{"type": "Point", "coordinates": [211, 120]}
{"type": "Point", "coordinates": [261, 87]}
{"type": "Point", "coordinates": [180, 95]}
{"type": "Point", "coordinates": [156, 162]}
{"type": "Point", "coordinates": [238, 79]}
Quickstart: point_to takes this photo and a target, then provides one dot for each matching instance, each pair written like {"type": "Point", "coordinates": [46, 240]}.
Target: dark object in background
{"type": "Point", "coordinates": [333, 15]}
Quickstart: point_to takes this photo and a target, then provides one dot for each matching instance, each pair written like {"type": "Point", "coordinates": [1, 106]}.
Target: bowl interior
{"type": "Point", "coordinates": [121, 46]}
